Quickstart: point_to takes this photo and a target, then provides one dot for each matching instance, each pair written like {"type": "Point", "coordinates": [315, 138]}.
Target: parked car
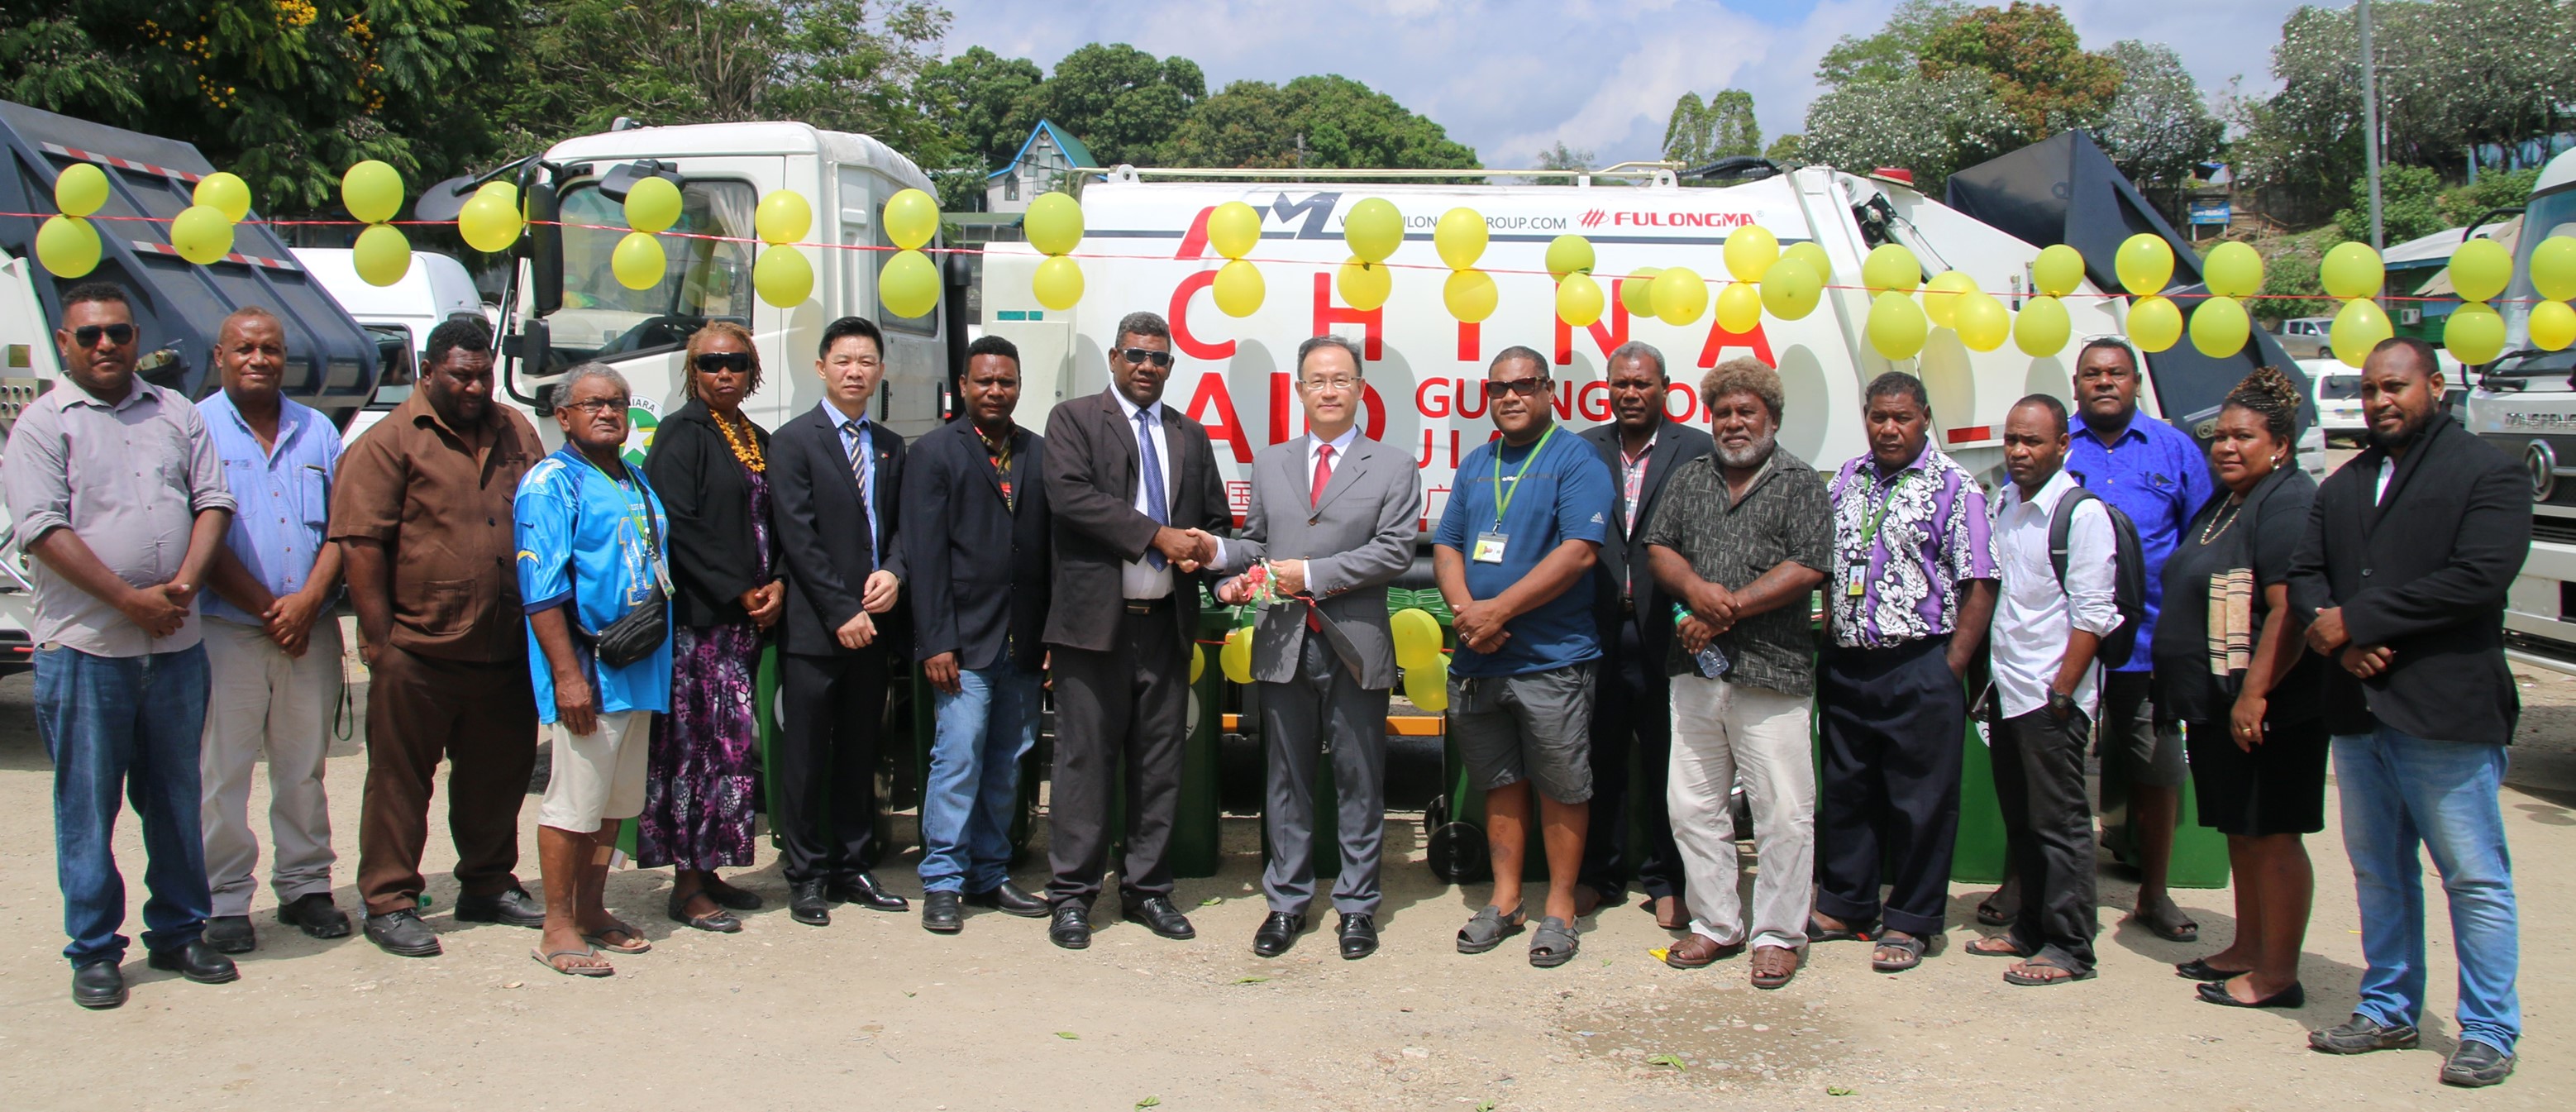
{"type": "Point", "coordinates": [2305, 337]}
{"type": "Point", "coordinates": [2337, 390]}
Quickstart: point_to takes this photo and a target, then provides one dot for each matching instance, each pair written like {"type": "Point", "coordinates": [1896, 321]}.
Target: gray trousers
{"type": "Point", "coordinates": [262, 702]}
{"type": "Point", "coordinates": [1324, 701]}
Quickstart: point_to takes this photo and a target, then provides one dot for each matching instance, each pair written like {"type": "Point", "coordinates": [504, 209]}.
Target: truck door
{"type": "Point", "coordinates": [915, 356]}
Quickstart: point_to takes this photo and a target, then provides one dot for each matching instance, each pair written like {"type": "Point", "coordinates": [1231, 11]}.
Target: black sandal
{"type": "Point", "coordinates": [719, 921]}
{"type": "Point", "coordinates": [1909, 946]}
{"type": "Point", "coordinates": [1818, 932]}
{"type": "Point", "coordinates": [728, 895]}
{"type": "Point", "coordinates": [1489, 928]}
{"type": "Point", "coordinates": [1553, 944]}
{"type": "Point", "coordinates": [2026, 980]}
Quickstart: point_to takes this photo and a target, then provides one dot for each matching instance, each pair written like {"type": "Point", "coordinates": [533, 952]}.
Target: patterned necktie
{"type": "Point", "coordinates": [1323, 474]}
{"type": "Point", "coordinates": [861, 468]}
{"type": "Point", "coordinates": [1157, 505]}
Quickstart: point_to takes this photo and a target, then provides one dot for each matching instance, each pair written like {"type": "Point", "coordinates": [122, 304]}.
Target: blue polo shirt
{"type": "Point", "coordinates": [1565, 494]}
{"type": "Point", "coordinates": [2156, 474]}
{"type": "Point", "coordinates": [281, 496]}
{"type": "Point", "coordinates": [582, 541]}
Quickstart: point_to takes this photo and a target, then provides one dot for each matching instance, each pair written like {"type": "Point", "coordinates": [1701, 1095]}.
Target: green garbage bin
{"type": "Point", "coordinates": [1977, 856]}
{"type": "Point", "coordinates": [2199, 852]}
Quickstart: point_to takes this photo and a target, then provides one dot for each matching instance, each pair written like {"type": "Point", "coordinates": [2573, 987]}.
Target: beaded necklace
{"type": "Point", "coordinates": [745, 446]}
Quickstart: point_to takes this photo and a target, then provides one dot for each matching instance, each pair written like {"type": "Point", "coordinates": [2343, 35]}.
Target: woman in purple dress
{"type": "Point", "coordinates": [708, 462]}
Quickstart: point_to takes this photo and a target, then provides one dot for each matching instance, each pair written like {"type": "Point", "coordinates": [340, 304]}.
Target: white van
{"type": "Point", "coordinates": [2337, 392]}
{"type": "Point", "coordinates": [400, 316]}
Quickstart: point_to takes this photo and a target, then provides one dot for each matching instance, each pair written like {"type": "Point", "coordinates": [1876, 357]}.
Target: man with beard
{"type": "Point", "coordinates": [2409, 551]}
{"type": "Point", "coordinates": [1743, 536]}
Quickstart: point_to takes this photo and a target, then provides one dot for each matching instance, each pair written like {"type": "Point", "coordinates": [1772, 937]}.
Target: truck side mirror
{"type": "Point", "coordinates": [545, 250]}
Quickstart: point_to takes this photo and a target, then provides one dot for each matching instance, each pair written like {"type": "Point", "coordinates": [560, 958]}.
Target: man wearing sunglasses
{"type": "Point", "coordinates": [119, 494]}
{"type": "Point", "coordinates": [1134, 490]}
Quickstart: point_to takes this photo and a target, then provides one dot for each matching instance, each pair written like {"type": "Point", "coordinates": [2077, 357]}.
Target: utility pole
{"type": "Point", "coordinates": [2369, 118]}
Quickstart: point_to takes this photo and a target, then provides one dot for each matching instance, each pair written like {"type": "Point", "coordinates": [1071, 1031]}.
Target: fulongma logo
{"type": "Point", "coordinates": [1599, 217]}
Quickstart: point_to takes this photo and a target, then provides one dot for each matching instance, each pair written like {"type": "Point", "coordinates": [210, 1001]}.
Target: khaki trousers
{"type": "Point", "coordinates": [264, 703]}
{"type": "Point", "coordinates": [1722, 731]}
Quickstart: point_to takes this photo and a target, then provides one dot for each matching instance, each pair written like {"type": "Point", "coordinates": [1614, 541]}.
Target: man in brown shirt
{"type": "Point", "coordinates": [422, 513]}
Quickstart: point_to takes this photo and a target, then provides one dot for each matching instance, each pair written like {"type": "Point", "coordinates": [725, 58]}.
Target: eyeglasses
{"type": "Point", "coordinates": [119, 334]}
{"type": "Point", "coordinates": [1330, 383]}
{"type": "Point", "coordinates": [1141, 356]}
{"type": "Point", "coordinates": [597, 406]}
{"type": "Point", "coordinates": [1525, 387]}
{"type": "Point", "coordinates": [723, 362]}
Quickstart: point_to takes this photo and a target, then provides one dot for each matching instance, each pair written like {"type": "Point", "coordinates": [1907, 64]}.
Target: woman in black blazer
{"type": "Point", "coordinates": [710, 463]}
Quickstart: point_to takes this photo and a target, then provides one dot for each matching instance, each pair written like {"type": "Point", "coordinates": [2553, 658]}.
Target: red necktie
{"type": "Point", "coordinates": [1323, 477]}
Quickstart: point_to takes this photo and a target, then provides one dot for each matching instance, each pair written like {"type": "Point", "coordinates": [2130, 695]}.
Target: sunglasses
{"type": "Point", "coordinates": [87, 335]}
{"type": "Point", "coordinates": [1141, 356]}
{"type": "Point", "coordinates": [1525, 387]}
{"type": "Point", "coordinates": [724, 362]}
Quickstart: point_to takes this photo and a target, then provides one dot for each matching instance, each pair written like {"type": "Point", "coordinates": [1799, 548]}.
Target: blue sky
{"type": "Point", "coordinates": [1512, 77]}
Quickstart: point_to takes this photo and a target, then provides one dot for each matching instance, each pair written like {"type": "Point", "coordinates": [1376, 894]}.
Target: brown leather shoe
{"type": "Point", "coordinates": [1696, 950]}
{"type": "Point", "coordinates": [1773, 966]}
{"type": "Point", "coordinates": [1670, 914]}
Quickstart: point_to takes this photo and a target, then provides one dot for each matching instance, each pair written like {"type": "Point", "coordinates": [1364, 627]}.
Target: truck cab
{"type": "Point", "coordinates": [2524, 403]}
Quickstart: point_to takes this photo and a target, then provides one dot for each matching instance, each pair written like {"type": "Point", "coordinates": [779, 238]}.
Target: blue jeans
{"type": "Point", "coordinates": [130, 724]}
{"type": "Point", "coordinates": [983, 731]}
{"type": "Point", "coordinates": [2400, 791]}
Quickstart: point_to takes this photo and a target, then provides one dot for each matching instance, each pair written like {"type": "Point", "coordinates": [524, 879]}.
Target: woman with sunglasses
{"type": "Point", "coordinates": [709, 463]}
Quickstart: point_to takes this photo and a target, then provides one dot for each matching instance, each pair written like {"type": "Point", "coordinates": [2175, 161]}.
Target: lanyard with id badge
{"type": "Point", "coordinates": [1877, 519]}
{"type": "Point", "coordinates": [1490, 545]}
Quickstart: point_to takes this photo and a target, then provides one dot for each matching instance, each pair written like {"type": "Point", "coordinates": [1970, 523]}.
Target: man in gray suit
{"type": "Point", "coordinates": [1333, 515]}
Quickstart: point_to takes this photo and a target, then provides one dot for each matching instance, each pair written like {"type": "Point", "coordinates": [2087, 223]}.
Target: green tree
{"type": "Point", "coordinates": [1686, 131]}
{"type": "Point", "coordinates": [1895, 52]}
{"type": "Point", "coordinates": [1931, 126]}
{"type": "Point", "coordinates": [1787, 150]}
{"type": "Point", "coordinates": [2495, 189]}
{"type": "Point", "coordinates": [1325, 121]}
{"type": "Point", "coordinates": [984, 102]}
{"type": "Point", "coordinates": [1123, 103]}
{"type": "Point", "coordinates": [1561, 157]}
{"type": "Point", "coordinates": [2409, 206]}
{"type": "Point", "coordinates": [2041, 74]}
{"type": "Point", "coordinates": [2158, 130]}
{"type": "Point", "coordinates": [1720, 127]}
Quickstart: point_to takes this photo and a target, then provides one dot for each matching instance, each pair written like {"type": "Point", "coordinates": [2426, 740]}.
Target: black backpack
{"type": "Point", "coordinates": [2128, 577]}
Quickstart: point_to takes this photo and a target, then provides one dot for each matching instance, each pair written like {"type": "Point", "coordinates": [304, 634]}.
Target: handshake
{"type": "Point", "coordinates": [1187, 549]}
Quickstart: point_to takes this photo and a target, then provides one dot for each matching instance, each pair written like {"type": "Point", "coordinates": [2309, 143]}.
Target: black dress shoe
{"type": "Point", "coordinates": [2293, 997]}
{"type": "Point", "coordinates": [402, 934]}
{"type": "Point", "coordinates": [231, 934]}
{"type": "Point", "coordinates": [1277, 934]}
{"type": "Point", "coordinates": [514, 907]}
{"type": "Point", "coordinates": [315, 915]}
{"type": "Point", "coordinates": [1359, 936]}
{"type": "Point", "coordinates": [808, 904]}
{"type": "Point", "coordinates": [862, 889]}
{"type": "Point", "coordinates": [727, 895]}
{"type": "Point", "coordinates": [1071, 928]}
{"type": "Point", "coordinates": [195, 961]}
{"type": "Point", "coordinates": [98, 986]}
{"type": "Point", "coordinates": [1009, 900]}
{"type": "Point", "coordinates": [1159, 916]}
{"type": "Point", "coordinates": [940, 914]}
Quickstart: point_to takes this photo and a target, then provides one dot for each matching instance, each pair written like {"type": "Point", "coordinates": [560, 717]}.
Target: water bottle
{"type": "Point", "coordinates": [1711, 661]}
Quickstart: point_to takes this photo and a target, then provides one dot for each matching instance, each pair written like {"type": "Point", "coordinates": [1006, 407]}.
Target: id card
{"type": "Point", "coordinates": [1856, 588]}
{"type": "Point", "coordinates": [1489, 548]}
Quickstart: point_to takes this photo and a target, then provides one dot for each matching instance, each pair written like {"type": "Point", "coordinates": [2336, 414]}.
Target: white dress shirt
{"type": "Point", "coordinates": [1140, 579]}
{"type": "Point", "coordinates": [2033, 616]}
{"type": "Point", "coordinates": [1318, 585]}
{"type": "Point", "coordinates": [860, 449]}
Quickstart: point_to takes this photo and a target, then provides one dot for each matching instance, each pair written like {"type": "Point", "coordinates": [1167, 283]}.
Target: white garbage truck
{"type": "Point", "coordinates": [2525, 404]}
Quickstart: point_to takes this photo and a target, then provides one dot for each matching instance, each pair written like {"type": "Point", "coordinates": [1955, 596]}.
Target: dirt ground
{"type": "Point", "coordinates": [873, 1012]}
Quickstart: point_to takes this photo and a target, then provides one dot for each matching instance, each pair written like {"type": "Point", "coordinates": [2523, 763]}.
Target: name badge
{"type": "Point", "coordinates": [1856, 588]}
{"type": "Point", "coordinates": [1489, 548]}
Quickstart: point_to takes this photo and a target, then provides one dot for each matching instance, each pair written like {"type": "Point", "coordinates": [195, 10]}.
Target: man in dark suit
{"type": "Point", "coordinates": [1632, 700]}
{"type": "Point", "coordinates": [2410, 549]}
{"type": "Point", "coordinates": [975, 535]}
{"type": "Point", "coordinates": [1133, 488]}
{"type": "Point", "coordinates": [837, 477]}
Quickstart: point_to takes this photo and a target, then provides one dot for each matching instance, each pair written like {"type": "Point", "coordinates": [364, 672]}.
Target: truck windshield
{"type": "Point", "coordinates": [2536, 373]}
{"type": "Point", "coordinates": [704, 278]}
{"type": "Point", "coordinates": [2338, 388]}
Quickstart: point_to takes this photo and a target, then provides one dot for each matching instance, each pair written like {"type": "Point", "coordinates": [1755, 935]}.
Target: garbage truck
{"type": "Point", "coordinates": [2524, 403]}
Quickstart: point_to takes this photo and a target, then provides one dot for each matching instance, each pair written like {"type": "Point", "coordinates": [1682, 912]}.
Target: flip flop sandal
{"type": "Point", "coordinates": [1489, 928]}
{"type": "Point", "coordinates": [1554, 944]}
{"type": "Point", "coordinates": [1818, 932]}
{"type": "Point", "coordinates": [2186, 931]}
{"type": "Point", "coordinates": [2012, 949]}
{"type": "Point", "coordinates": [2017, 977]}
{"type": "Point", "coordinates": [634, 943]}
{"type": "Point", "coordinates": [1912, 948]}
{"type": "Point", "coordinates": [548, 960]}
{"type": "Point", "coordinates": [1992, 916]}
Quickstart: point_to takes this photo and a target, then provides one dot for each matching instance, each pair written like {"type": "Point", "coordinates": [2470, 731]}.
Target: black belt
{"type": "Point", "coordinates": [1149, 605]}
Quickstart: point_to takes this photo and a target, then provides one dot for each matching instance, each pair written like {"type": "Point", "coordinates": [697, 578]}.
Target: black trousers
{"type": "Point", "coordinates": [1888, 801]}
{"type": "Point", "coordinates": [1632, 711]}
{"type": "Point", "coordinates": [826, 762]}
{"type": "Point", "coordinates": [2048, 824]}
{"type": "Point", "coordinates": [1121, 711]}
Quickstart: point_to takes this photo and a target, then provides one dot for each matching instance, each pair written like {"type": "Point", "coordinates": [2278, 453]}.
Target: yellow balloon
{"type": "Point", "coordinates": [489, 223]}
{"type": "Point", "coordinates": [372, 192]}
{"type": "Point", "coordinates": [2351, 270]}
{"type": "Point", "coordinates": [2042, 327]}
{"type": "Point", "coordinates": [201, 234]}
{"type": "Point", "coordinates": [2145, 263]}
{"type": "Point", "coordinates": [2553, 268]}
{"type": "Point", "coordinates": [1941, 297]}
{"type": "Point", "coordinates": [2358, 328]}
{"type": "Point", "coordinates": [1058, 284]}
{"type": "Point", "coordinates": [1470, 295]}
{"type": "Point", "coordinates": [783, 277]}
{"type": "Point", "coordinates": [784, 217]}
{"type": "Point", "coordinates": [382, 256]}
{"type": "Point", "coordinates": [638, 261]}
{"type": "Point", "coordinates": [1680, 296]}
{"type": "Point", "coordinates": [1896, 326]}
{"type": "Point", "coordinates": [1568, 254]}
{"type": "Point", "coordinates": [1238, 289]}
{"type": "Point", "coordinates": [225, 192]}
{"type": "Point", "coordinates": [1637, 291]}
{"type": "Point", "coordinates": [1417, 636]}
{"type": "Point", "coordinates": [2235, 270]}
{"type": "Point", "coordinates": [1198, 663]}
{"type": "Point", "coordinates": [2553, 326]}
{"type": "Point", "coordinates": [1806, 251]}
{"type": "Point", "coordinates": [2058, 270]}
{"type": "Point", "coordinates": [1750, 251]}
{"type": "Point", "coordinates": [1891, 267]}
{"type": "Point", "coordinates": [499, 187]}
{"type": "Point", "coordinates": [909, 284]}
{"type": "Point", "coordinates": [2155, 323]}
{"type": "Point", "coordinates": [1364, 285]}
{"type": "Point", "coordinates": [1791, 288]}
{"type": "Point", "coordinates": [1739, 307]}
{"type": "Point", "coordinates": [2219, 327]}
{"type": "Point", "coordinates": [2480, 269]}
{"type": "Point", "coordinates": [1236, 656]}
{"type": "Point", "coordinates": [1579, 301]}
{"type": "Point", "coordinates": [1053, 224]}
{"type": "Point", "coordinates": [1234, 229]}
{"type": "Point", "coordinates": [653, 205]}
{"type": "Point", "coordinates": [911, 218]}
{"type": "Point", "coordinates": [2474, 332]}
{"type": "Point", "coordinates": [68, 246]}
{"type": "Point", "coordinates": [1981, 321]}
{"type": "Point", "coordinates": [1460, 237]}
{"type": "Point", "coordinates": [1426, 685]}
{"type": "Point", "coordinates": [81, 189]}
{"type": "Point", "coordinates": [1374, 229]}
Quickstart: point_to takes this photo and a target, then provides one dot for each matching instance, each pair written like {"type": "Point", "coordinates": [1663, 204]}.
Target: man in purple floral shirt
{"type": "Point", "coordinates": [1912, 586]}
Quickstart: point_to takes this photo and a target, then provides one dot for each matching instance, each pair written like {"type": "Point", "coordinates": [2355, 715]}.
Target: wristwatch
{"type": "Point", "coordinates": [2062, 703]}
